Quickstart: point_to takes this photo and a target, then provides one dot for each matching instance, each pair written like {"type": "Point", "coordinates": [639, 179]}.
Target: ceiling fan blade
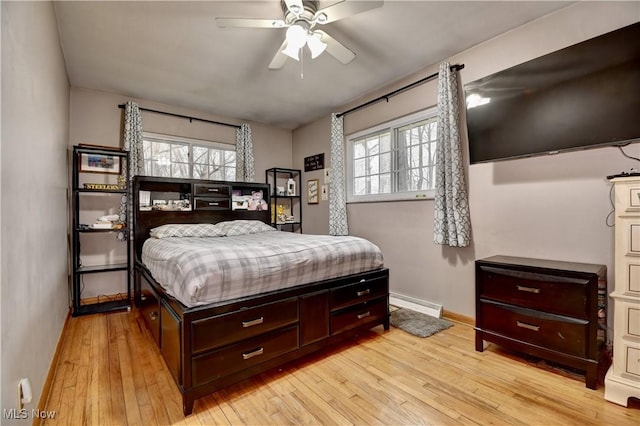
{"type": "Point", "coordinates": [249, 23]}
{"type": "Point", "coordinates": [279, 58]}
{"type": "Point", "coordinates": [294, 6]}
{"type": "Point", "coordinates": [344, 9]}
{"type": "Point", "coordinates": [336, 49]}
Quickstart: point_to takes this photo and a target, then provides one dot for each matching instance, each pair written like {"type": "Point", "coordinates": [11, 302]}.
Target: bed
{"type": "Point", "coordinates": [226, 297]}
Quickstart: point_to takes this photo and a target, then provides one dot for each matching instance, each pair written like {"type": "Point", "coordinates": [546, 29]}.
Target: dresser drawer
{"type": "Point", "coordinates": [550, 293]}
{"type": "Point", "coordinates": [633, 361]}
{"type": "Point", "coordinates": [562, 334]}
{"type": "Point", "coordinates": [362, 291]}
{"type": "Point", "coordinates": [211, 366]}
{"type": "Point", "coordinates": [355, 316]}
{"type": "Point", "coordinates": [211, 190]}
{"type": "Point", "coordinates": [242, 324]}
{"type": "Point", "coordinates": [211, 203]}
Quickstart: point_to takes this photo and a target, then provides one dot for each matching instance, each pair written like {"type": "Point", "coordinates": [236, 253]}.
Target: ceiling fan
{"type": "Point", "coordinates": [300, 19]}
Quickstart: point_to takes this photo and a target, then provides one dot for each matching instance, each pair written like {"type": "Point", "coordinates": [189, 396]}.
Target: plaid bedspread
{"type": "Point", "coordinates": [199, 271]}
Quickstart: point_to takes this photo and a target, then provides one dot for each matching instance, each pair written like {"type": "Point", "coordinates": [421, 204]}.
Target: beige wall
{"type": "Point", "coordinates": [35, 130]}
{"type": "Point", "coordinates": [96, 119]}
{"type": "Point", "coordinates": [546, 207]}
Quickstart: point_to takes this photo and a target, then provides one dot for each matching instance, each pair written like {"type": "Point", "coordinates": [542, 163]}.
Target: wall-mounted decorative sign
{"type": "Point", "coordinates": [103, 186]}
{"type": "Point", "coordinates": [314, 162]}
{"type": "Point", "coordinates": [312, 191]}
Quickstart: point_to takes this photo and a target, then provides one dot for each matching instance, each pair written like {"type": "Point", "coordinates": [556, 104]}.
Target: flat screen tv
{"type": "Point", "coordinates": [583, 96]}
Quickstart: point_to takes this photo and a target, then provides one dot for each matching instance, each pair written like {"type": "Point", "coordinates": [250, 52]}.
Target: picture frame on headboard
{"type": "Point", "coordinates": [99, 163]}
{"type": "Point", "coordinates": [313, 191]}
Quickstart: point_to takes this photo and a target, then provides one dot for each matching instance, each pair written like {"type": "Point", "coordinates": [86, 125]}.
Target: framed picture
{"type": "Point", "coordinates": [312, 191]}
{"type": "Point", "coordinates": [99, 163]}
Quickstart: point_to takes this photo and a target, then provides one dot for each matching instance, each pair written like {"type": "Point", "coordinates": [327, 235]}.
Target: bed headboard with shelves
{"type": "Point", "coordinates": [159, 201]}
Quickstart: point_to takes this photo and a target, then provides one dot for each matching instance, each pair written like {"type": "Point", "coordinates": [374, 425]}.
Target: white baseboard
{"type": "Point", "coordinates": [414, 304]}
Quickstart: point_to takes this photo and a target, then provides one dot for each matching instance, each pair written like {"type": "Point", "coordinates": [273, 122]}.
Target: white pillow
{"type": "Point", "coordinates": [243, 227]}
{"type": "Point", "coordinates": [187, 230]}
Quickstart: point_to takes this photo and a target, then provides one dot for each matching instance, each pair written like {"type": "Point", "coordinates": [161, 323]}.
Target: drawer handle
{"type": "Point", "coordinates": [364, 315]}
{"type": "Point", "coordinates": [213, 189]}
{"type": "Point", "coordinates": [363, 292]}
{"type": "Point", "coordinates": [153, 315]}
{"type": "Point", "coordinates": [363, 280]}
{"type": "Point", "coordinates": [528, 326]}
{"type": "Point", "coordinates": [256, 321]}
{"type": "Point", "coordinates": [528, 289]}
{"type": "Point", "coordinates": [249, 355]}
{"type": "Point", "coordinates": [214, 204]}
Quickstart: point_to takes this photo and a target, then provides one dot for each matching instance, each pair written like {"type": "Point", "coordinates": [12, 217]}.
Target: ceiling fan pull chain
{"type": "Point", "coordinates": [302, 64]}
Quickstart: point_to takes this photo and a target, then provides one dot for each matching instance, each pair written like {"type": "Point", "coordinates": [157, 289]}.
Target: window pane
{"type": "Point", "coordinates": [359, 186]}
{"type": "Point", "coordinates": [200, 171]}
{"type": "Point", "coordinates": [230, 157]}
{"type": "Point", "coordinates": [373, 166]}
{"type": "Point", "coordinates": [374, 184]}
{"type": "Point", "coordinates": [180, 170]}
{"type": "Point", "coordinates": [180, 153]}
{"type": "Point", "coordinates": [162, 170]}
{"type": "Point", "coordinates": [373, 146]}
{"type": "Point", "coordinates": [160, 149]}
{"type": "Point", "coordinates": [385, 183]}
{"type": "Point", "coordinates": [385, 142]}
{"type": "Point", "coordinates": [359, 169]}
{"type": "Point", "coordinates": [385, 162]}
{"type": "Point", "coordinates": [215, 157]}
{"type": "Point", "coordinates": [146, 150]}
{"type": "Point", "coordinates": [415, 156]}
{"type": "Point", "coordinates": [358, 150]}
{"type": "Point", "coordinates": [200, 154]}
{"type": "Point", "coordinates": [230, 172]}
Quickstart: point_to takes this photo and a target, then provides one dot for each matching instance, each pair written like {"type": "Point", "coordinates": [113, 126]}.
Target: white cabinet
{"type": "Point", "coordinates": [623, 378]}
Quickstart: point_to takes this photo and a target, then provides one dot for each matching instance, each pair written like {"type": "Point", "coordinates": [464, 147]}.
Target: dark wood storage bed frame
{"type": "Point", "coordinates": [209, 347]}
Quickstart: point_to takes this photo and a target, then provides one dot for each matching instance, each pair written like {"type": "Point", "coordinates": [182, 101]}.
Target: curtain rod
{"type": "Point", "coordinates": [386, 97]}
{"type": "Point", "coordinates": [121, 106]}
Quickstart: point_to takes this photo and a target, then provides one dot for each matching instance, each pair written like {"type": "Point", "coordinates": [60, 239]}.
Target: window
{"type": "Point", "coordinates": [172, 156]}
{"type": "Point", "coordinates": [394, 161]}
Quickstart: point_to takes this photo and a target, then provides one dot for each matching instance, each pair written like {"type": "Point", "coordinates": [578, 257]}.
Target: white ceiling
{"type": "Point", "coordinates": [173, 52]}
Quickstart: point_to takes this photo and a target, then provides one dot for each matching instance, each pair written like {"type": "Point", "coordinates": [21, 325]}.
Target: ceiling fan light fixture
{"type": "Point", "coordinates": [296, 35]}
{"type": "Point", "coordinates": [316, 45]}
{"type": "Point", "coordinates": [296, 39]}
{"type": "Point", "coordinates": [292, 52]}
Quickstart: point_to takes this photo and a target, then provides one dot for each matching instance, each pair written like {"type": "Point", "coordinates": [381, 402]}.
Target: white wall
{"type": "Point", "coordinates": [545, 207]}
{"type": "Point", "coordinates": [35, 127]}
{"type": "Point", "coordinates": [96, 119]}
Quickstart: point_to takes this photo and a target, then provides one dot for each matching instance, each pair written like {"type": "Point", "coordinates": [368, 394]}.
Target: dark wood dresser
{"type": "Point", "coordinates": [548, 309]}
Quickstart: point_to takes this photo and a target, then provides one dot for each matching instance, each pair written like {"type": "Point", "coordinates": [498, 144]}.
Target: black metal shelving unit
{"type": "Point", "coordinates": [78, 269]}
{"type": "Point", "coordinates": [278, 176]}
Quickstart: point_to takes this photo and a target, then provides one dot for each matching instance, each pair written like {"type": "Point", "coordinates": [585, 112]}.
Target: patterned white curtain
{"type": "Point", "coordinates": [132, 141]}
{"type": "Point", "coordinates": [245, 171]}
{"type": "Point", "coordinates": [337, 194]}
{"type": "Point", "coordinates": [452, 223]}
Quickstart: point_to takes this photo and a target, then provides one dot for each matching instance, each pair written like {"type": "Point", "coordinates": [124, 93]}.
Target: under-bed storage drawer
{"type": "Point", "coordinates": [362, 291]}
{"type": "Point", "coordinates": [226, 361]}
{"type": "Point", "coordinates": [555, 332]}
{"type": "Point", "coordinates": [373, 311]}
{"type": "Point", "coordinates": [150, 309]}
{"type": "Point", "coordinates": [242, 324]}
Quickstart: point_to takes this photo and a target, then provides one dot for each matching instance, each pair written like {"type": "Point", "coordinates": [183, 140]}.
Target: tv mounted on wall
{"type": "Point", "coordinates": [583, 96]}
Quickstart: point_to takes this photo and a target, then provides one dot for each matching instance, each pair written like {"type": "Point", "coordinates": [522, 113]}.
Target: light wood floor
{"type": "Point", "coordinates": [111, 373]}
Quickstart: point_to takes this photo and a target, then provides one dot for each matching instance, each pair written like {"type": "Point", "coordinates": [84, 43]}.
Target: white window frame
{"type": "Point", "coordinates": [190, 142]}
{"type": "Point", "coordinates": [390, 126]}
